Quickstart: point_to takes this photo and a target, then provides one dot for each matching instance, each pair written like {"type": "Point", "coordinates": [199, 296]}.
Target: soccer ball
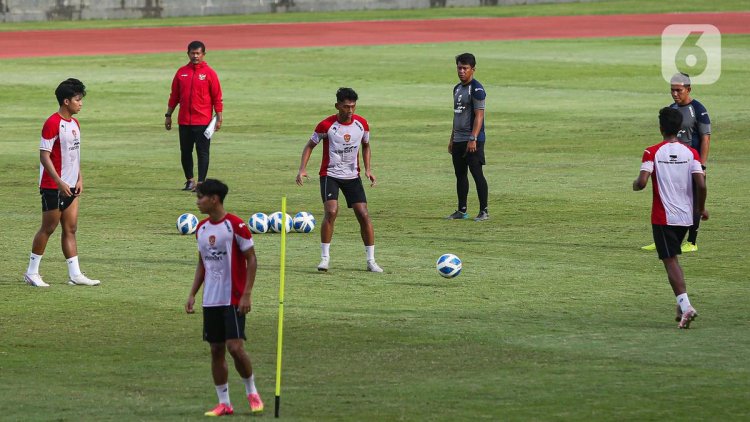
{"type": "Point", "coordinates": [449, 265]}
{"type": "Point", "coordinates": [187, 223]}
{"type": "Point", "coordinates": [258, 223]}
{"type": "Point", "coordinates": [303, 222]}
{"type": "Point", "coordinates": [274, 222]}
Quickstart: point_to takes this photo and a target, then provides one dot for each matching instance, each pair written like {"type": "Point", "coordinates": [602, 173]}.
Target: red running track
{"type": "Point", "coordinates": [286, 35]}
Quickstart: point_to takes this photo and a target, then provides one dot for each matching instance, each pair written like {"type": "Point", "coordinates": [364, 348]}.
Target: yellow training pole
{"type": "Point", "coordinates": [280, 334]}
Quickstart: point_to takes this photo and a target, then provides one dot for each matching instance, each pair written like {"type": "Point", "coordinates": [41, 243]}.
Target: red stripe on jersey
{"type": "Point", "coordinates": [238, 261]}
{"type": "Point", "coordinates": [658, 213]}
{"type": "Point", "coordinates": [225, 279]}
{"type": "Point", "coordinates": [672, 165]}
{"type": "Point", "coordinates": [341, 144]}
{"type": "Point", "coordinates": [51, 131]}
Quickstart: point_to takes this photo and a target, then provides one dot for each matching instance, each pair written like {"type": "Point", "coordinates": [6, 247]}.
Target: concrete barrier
{"type": "Point", "coordinates": [41, 10]}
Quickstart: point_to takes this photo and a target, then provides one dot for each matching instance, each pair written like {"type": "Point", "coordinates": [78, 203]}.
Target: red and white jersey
{"type": "Point", "coordinates": [341, 145]}
{"type": "Point", "coordinates": [221, 246]}
{"type": "Point", "coordinates": [671, 165]}
{"type": "Point", "coordinates": [62, 138]}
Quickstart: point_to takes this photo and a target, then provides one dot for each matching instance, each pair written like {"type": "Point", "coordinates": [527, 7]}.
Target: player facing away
{"type": "Point", "coordinates": [226, 269]}
{"type": "Point", "coordinates": [695, 132]}
{"type": "Point", "coordinates": [60, 184]}
{"type": "Point", "coordinates": [342, 134]}
{"type": "Point", "coordinates": [674, 168]}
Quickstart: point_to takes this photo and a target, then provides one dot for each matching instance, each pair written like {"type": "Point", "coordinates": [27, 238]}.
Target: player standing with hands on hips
{"type": "Point", "coordinates": [674, 169]}
{"type": "Point", "coordinates": [466, 145]}
{"type": "Point", "coordinates": [226, 269]}
{"type": "Point", "coordinates": [342, 134]}
{"type": "Point", "coordinates": [60, 184]}
{"type": "Point", "coordinates": [196, 88]}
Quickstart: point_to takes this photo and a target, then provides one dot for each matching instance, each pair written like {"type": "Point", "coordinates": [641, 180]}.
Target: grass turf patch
{"type": "Point", "coordinates": [556, 315]}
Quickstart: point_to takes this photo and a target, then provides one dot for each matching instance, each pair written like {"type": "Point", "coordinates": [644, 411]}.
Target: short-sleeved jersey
{"type": "Point", "coordinates": [221, 246]}
{"type": "Point", "coordinates": [466, 99]}
{"type": "Point", "coordinates": [695, 123]}
{"type": "Point", "coordinates": [62, 138]}
{"type": "Point", "coordinates": [671, 165]}
{"type": "Point", "coordinates": [341, 144]}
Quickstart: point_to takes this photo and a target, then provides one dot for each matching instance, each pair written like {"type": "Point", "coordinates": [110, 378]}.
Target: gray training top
{"type": "Point", "coordinates": [466, 99]}
{"type": "Point", "coordinates": [695, 123]}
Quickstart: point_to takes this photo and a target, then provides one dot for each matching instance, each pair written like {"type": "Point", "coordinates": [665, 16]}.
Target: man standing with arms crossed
{"type": "Point", "coordinates": [467, 138]}
{"type": "Point", "coordinates": [343, 134]}
{"type": "Point", "coordinates": [60, 184]}
{"type": "Point", "coordinates": [226, 269]}
{"type": "Point", "coordinates": [696, 133]}
{"type": "Point", "coordinates": [674, 169]}
{"type": "Point", "coordinates": [196, 88]}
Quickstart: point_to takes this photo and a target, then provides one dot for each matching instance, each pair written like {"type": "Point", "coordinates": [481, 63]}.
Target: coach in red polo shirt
{"type": "Point", "coordinates": [197, 90]}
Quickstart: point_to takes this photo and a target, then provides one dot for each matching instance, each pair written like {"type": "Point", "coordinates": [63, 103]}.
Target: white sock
{"type": "Point", "coordinates": [325, 249]}
{"type": "Point", "coordinates": [34, 261]}
{"type": "Point", "coordinates": [73, 268]}
{"type": "Point", "coordinates": [249, 385]}
{"type": "Point", "coordinates": [370, 252]}
{"type": "Point", "coordinates": [683, 301]}
{"type": "Point", "coordinates": [223, 392]}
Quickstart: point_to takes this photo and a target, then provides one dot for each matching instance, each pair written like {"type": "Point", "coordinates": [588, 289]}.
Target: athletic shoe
{"type": "Point", "coordinates": [651, 247]}
{"type": "Point", "coordinates": [458, 215]}
{"type": "Point", "coordinates": [82, 280]}
{"type": "Point", "coordinates": [189, 186]}
{"type": "Point", "coordinates": [689, 247]}
{"type": "Point", "coordinates": [323, 266]}
{"type": "Point", "coordinates": [687, 317]}
{"type": "Point", "coordinates": [220, 410]}
{"type": "Point", "coordinates": [34, 280]}
{"type": "Point", "coordinates": [483, 215]}
{"type": "Point", "coordinates": [256, 404]}
{"type": "Point", "coordinates": [373, 267]}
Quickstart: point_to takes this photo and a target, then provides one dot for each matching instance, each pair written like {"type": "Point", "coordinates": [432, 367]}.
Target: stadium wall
{"type": "Point", "coordinates": [41, 10]}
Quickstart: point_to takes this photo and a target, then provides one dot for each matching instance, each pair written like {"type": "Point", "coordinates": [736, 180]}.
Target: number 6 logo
{"type": "Point", "coordinates": [691, 49]}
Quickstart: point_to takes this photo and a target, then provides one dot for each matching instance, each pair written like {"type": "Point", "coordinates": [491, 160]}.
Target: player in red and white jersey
{"type": "Point", "coordinates": [342, 134]}
{"type": "Point", "coordinates": [226, 269]}
{"type": "Point", "coordinates": [674, 168]}
{"type": "Point", "coordinates": [60, 184]}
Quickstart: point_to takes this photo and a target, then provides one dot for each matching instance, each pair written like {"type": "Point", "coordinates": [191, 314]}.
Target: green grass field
{"type": "Point", "coordinates": [558, 315]}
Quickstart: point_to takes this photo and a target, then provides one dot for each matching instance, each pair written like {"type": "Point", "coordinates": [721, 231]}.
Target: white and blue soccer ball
{"type": "Point", "coordinates": [449, 265]}
{"type": "Point", "coordinates": [187, 223]}
{"type": "Point", "coordinates": [303, 222]}
{"type": "Point", "coordinates": [274, 222]}
{"type": "Point", "coordinates": [258, 223]}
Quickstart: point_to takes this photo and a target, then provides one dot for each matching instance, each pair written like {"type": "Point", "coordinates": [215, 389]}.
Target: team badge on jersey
{"type": "Point", "coordinates": [202, 76]}
{"type": "Point", "coordinates": [212, 240]}
{"type": "Point", "coordinates": [347, 137]}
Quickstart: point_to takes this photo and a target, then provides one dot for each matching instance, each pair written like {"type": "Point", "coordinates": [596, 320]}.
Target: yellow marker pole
{"type": "Point", "coordinates": [280, 330]}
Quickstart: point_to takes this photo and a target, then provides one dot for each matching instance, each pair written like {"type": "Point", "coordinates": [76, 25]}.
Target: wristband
{"type": "Point", "coordinates": [472, 138]}
{"type": "Point", "coordinates": [167, 115]}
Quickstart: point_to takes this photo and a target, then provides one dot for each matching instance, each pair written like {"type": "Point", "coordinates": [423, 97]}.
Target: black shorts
{"type": "Point", "coordinates": [52, 200]}
{"type": "Point", "coordinates": [463, 157]}
{"type": "Point", "coordinates": [353, 190]}
{"type": "Point", "coordinates": [668, 240]}
{"type": "Point", "coordinates": [222, 323]}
